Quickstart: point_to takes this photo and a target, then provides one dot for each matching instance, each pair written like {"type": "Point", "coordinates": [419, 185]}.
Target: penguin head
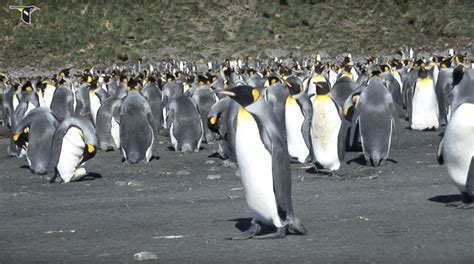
{"type": "Point", "coordinates": [322, 88]}
{"type": "Point", "coordinates": [422, 72]}
{"type": "Point", "coordinates": [64, 73]}
{"type": "Point", "coordinates": [87, 78]}
{"type": "Point", "coordinates": [202, 79]}
{"type": "Point", "coordinates": [124, 79]}
{"type": "Point", "coordinates": [294, 85]}
{"type": "Point", "coordinates": [21, 139]}
{"type": "Point", "coordinates": [458, 74]}
{"type": "Point", "coordinates": [133, 85]}
{"type": "Point", "coordinates": [243, 94]}
{"type": "Point", "coordinates": [94, 84]}
{"type": "Point", "coordinates": [212, 123]}
{"type": "Point", "coordinates": [27, 87]}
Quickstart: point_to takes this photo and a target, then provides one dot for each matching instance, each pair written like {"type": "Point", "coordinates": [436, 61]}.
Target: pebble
{"type": "Point", "coordinates": [214, 169]}
{"type": "Point", "coordinates": [209, 162]}
{"type": "Point", "coordinates": [133, 183]}
{"type": "Point", "coordinates": [213, 177]}
{"type": "Point", "coordinates": [121, 183]}
{"type": "Point", "coordinates": [182, 172]}
{"type": "Point", "coordinates": [145, 255]}
{"type": "Point", "coordinates": [234, 197]}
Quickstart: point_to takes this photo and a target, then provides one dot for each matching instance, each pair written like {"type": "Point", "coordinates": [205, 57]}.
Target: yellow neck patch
{"type": "Point", "coordinates": [424, 82]}
{"type": "Point", "coordinates": [244, 116]}
{"type": "Point", "coordinates": [291, 101]}
{"type": "Point", "coordinates": [213, 120]}
{"type": "Point", "coordinates": [347, 74]}
{"type": "Point", "coordinates": [318, 78]}
{"type": "Point", "coordinates": [322, 98]}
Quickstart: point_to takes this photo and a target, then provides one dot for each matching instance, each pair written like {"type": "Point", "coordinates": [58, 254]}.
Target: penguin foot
{"type": "Point", "coordinates": [78, 174]}
{"type": "Point", "coordinates": [248, 234]}
{"type": "Point", "coordinates": [279, 233]}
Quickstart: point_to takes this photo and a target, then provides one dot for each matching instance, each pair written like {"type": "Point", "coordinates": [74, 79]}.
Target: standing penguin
{"type": "Point", "coordinates": [186, 128]}
{"type": "Point", "coordinates": [35, 134]}
{"type": "Point", "coordinates": [137, 129]}
{"type": "Point", "coordinates": [221, 120]}
{"type": "Point", "coordinates": [328, 130]}
{"type": "Point", "coordinates": [74, 142]}
{"type": "Point", "coordinates": [264, 166]}
{"type": "Point", "coordinates": [456, 149]}
{"type": "Point", "coordinates": [62, 103]}
{"type": "Point", "coordinates": [377, 117]}
{"type": "Point", "coordinates": [424, 110]}
{"type": "Point", "coordinates": [298, 115]}
{"type": "Point", "coordinates": [153, 95]}
{"type": "Point", "coordinates": [205, 98]}
{"type": "Point", "coordinates": [108, 128]}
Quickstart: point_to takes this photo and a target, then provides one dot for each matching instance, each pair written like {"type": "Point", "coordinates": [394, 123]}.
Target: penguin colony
{"type": "Point", "coordinates": [262, 114]}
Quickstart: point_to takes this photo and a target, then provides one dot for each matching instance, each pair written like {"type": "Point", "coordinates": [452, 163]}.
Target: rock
{"type": "Point", "coordinates": [234, 197]}
{"type": "Point", "coordinates": [133, 183]}
{"type": "Point", "coordinates": [214, 169]}
{"type": "Point", "coordinates": [272, 53]}
{"type": "Point", "coordinates": [277, 15]}
{"type": "Point", "coordinates": [213, 177]}
{"type": "Point", "coordinates": [182, 172]}
{"type": "Point", "coordinates": [209, 162]}
{"type": "Point", "coordinates": [145, 255]}
{"type": "Point", "coordinates": [121, 183]}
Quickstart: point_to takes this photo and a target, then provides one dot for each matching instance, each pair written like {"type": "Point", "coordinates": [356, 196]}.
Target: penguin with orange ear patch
{"type": "Point", "coordinates": [264, 165]}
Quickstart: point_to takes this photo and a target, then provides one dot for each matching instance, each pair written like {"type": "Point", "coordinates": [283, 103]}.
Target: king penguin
{"type": "Point", "coordinates": [456, 149]}
{"type": "Point", "coordinates": [108, 128]}
{"type": "Point", "coordinates": [74, 142]}
{"type": "Point", "coordinates": [424, 110]}
{"type": "Point", "coordinates": [298, 115]}
{"type": "Point", "coordinates": [137, 129]}
{"type": "Point", "coordinates": [328, 130]}
{"type": "Point", "coordinates": [377, 117]}
{"type": "Point", "coordinates": [186, 128]}
{"type": "Point", "coordinates": [35, 134]}
{"type": "Point", "coordinates": [264, 166]}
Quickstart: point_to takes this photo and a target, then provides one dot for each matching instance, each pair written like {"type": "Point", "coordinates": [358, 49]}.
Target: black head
{"type": "Point", "coordinates": [212, 123]}
{"type": "Point", "coordinates": [202, 79]}
{"type": "Point", "coordinates": [294, 85]}
{"type": "Point", "coordinates": [322, 88]}
{"type": "Point", "coordinates": [133, 85]}
{"type": "Point", "coordinates": [27, 87]}
{"type": "Point", "coordinates": [458, 74]}
{"type": "Point", "coordinates": [243, 94]}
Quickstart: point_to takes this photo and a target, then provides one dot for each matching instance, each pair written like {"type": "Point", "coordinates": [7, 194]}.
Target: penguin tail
{"type": "Point", "coordinates": [133, 158]}
{"type": "Point", "coordinates": [296, 227]}
{"type": "Point", "coordinates": [375, 159]}
{"type": "Point", "coordinates": [39, 170]}
{"type": "Point", "coordinates": [186, 148]}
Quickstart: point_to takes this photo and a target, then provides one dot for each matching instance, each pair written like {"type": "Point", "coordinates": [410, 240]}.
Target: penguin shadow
{"type": "Point", "coordinates": [454, 201]}
{"type": "Point", "coordinates": [446, 199]}
{"type": "Point", "coordinates": [26, 167]}
{"type": "Point", "coordinates": [153, 157]}
{"type": "Point", "coordinates": [172, 149]}
{"type": "Point", "coordinates": [216, 155]}
{"type": "Point", "coordinates": [91, 176]}
{"type": "Point", "coordinates": [362, 161]}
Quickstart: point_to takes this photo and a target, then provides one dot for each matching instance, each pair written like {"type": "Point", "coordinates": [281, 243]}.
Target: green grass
{"type": "Point", "coordinates": [90, 32]}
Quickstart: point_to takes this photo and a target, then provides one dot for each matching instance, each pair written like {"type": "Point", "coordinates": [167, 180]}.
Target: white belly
{"type": "Point", "coordinates": [48, 95]}
{"type": "Point", "coordinates": [95, 105]}
{"type": "Point", "coordinates": [29, 108]}
{"type": "Point", "coordinates": [115, 132]}
{"type": "Point", "coordinates": [325, 127]}
{"type": "Point", "coordinates": [71, 153]}
{"type": "Point", "coordinates": [458, 145]}
{"type": "Point", "coordinates": [294, 120]}
{"type": "Point", "coordinates": [255, 165]}
{"type": "Point", "coordinates": [425, 111]}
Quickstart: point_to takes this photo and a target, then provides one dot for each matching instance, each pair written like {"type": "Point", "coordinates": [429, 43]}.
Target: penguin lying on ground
{"type": "Point", "coordinates": [74, 142]}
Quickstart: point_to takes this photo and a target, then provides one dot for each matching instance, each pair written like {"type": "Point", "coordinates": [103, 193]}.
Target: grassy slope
{"type": "Point", "coordinates": [89, 32]}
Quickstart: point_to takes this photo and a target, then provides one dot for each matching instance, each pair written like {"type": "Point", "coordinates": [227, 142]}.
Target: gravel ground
{"type": "Point", "coordinates": [182, 207]}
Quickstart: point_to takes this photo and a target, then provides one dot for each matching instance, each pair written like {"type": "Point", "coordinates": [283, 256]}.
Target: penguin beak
{"type": "Point", "coordinates": [229, 93]}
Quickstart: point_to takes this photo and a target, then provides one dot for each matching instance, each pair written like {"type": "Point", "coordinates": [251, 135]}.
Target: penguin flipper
{"type": "Point", "coordinates": [470, 179]}
{"type": "Point", "coordinates": [440, 153]}
{"type": "Point", "coordinates": [307, 110]}
{"type": "Point", "coordinates": [355, 119]}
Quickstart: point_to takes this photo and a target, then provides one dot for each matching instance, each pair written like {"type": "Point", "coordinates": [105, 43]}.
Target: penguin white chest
{"type": "Point", "coordinates": [425, 110]}
{"type": "Point", "coordinates": [71, 153]}
{"type": "Point", "coordinates": [325, 127]}
{"type": "Point", "coordinates": [48, 95]}
{"type": "Point", "coordinates": [294, 121]}
{"type": "Point", "coordinates": [255, 165]}
{"type": "Point", "coordinates": [94, 104]}
{"type": "Point", "coordinates": [458, 145]}
{"type": "Point", "coordinates": [115, 132]}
